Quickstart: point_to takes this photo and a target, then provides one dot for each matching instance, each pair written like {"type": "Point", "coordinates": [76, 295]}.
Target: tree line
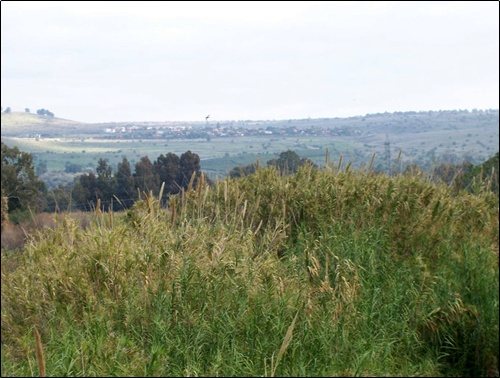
{"type": "Point", "coordinates": [43, 112]}
{"type": "Point", "coordinates": [23, 191]}
{"type": "Point", "coordinates": [121, 189]}
{"type": "Point", "coordinates": [108, 189]}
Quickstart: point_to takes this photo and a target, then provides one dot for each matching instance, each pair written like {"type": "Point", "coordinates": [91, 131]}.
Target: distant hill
{"type": "Point", "coordinates": [424, 138]}
{"type": "Point", "coordinates": [16, 123]}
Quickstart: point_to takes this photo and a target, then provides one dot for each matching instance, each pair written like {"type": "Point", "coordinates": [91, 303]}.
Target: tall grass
{"type": "Point", "coordinates": [331, 272]}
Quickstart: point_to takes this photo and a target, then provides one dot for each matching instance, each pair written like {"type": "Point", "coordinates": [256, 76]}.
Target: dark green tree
{"type": "Point", "coordinates": [169, 170]}
{"type": "Point", "coordinates": [103, 169]}
{"type": "Point", "coordinates": [72, 167]}
{"type": "Point", "coordinates": [289, 162]}
{"type": "Point", "coordinates": [242, 171]}
{"type": "Point", "coordinates": [125, 190]}
{"type": "Point", "coordinates": [106, 183]}
{"type": "Point", "coordinates": [89, 189]}
{"type": "Point", "coordinates": [20, 184]}
{"type": "Point", "coordinates": [86, 192]}
{"type": "Point", "coordinates": [189, 165]}
{"type": "Point", "coordinates": [41, 168]}
{"type": "Point", "coordinates": [483, 174]}
{"type": "Point", "coordinates": [145, 177]}
{"type": "Point", "coordinates": [60, 199]}
{"type": "Point", "coordinates": [45, 112]}
{"type": "Point", "coordinates": [452, 174]}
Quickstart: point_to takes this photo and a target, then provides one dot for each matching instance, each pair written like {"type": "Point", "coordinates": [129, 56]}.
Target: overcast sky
{"type": "Point", "coordinates": [180, 61]}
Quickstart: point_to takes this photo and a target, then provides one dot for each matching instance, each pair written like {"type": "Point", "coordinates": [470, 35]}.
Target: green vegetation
{"type": "Point", "coordinates": [119, 191]}
{"type": "Point", "coordinates": [468, 176]}
{"type": "Point", "coordinates": [29, 123]}
{"type": "Point", "coordinates": [422, 138]}
{"type": "Point", "coordinates": [288, 162]}
{"type": "Point", "coordinates": [20, 185]}
{"type": "Point", "coordinates": [488, 171]}
{"type": "Point", "coordinates": [332, 272]}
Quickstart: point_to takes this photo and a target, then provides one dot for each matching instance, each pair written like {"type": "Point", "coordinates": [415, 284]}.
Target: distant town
{"type": "Point", "coordinates": [218, 130]}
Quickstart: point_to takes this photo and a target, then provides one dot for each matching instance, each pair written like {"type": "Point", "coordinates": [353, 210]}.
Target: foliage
{"type": "Point", "coordinates": [425, 139]}
{"type": "Point", "coordinates": [125, 190]}
{"type": "Point", "coordinates": [289, 162]}
{"type": "Point", "coordinates": [171, 171]}
{"type": "Point", "coordinates": [41, 168]}
{"type": "Point", "coordinates": [72, 168]}
{"type": "Point", "coordinates": [322, 273]}
{"type": "Point", "coordinates": [45, 112]}
{"type": "Point", "coordinates": [189, 164]}
{"type": "Point", "coordinates": [168, 169]}
{"type": "Point", "coordinates": [20, 184]}
{"type": "Point", "coordinates": [468, 176]}
{"type": "Point", "coordinates": [15, 236]}
{"type": "Point", "coordinates": [146, 179]}
{"type": "Point", "coordinates": [5, 210]}
{"type": "Point", "coordinates": [60, 199]}
{"type": "Point", "coordinates": [241, 171]}
{"type": "Point", "coordinates": [486, 174]}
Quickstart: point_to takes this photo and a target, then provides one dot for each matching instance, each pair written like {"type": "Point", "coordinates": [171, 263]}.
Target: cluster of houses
{"type": "Point", "coordinates": [221, 130]}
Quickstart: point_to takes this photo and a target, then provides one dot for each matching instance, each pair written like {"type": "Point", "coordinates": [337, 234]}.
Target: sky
{"type": "Point", "coordinates": [119, 61]}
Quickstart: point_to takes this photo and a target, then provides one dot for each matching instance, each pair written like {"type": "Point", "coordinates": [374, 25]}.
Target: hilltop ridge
{"type": "Point", "coordinates": [22, 122]}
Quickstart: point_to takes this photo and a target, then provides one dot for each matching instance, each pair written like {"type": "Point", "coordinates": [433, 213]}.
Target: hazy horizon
{"type": "Point", "coordinates": [99, 62]}
{"type": "Point", "coordinates": [33, 112]}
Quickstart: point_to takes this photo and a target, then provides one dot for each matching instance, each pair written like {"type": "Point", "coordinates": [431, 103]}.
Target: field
{"type": "Point", "coordinates": [218, 156]}
{"type": "Point", "coordinates": [423, 138]}
{"type": "Point", "coordinates": [321, 273]}
{"type": "Point", "coordinates": [416, 138]}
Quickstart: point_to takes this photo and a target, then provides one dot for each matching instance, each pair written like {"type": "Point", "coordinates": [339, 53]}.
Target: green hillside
{"type": "Point", "coordinates": [406, 138]}
{"type": "Point", "coordinates": [18, 123]}
{"type": "Point", "coordinates": [321, 273]}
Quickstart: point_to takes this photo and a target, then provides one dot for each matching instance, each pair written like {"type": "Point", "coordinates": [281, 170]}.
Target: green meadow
{"type": "Point", "coordinates": [218, 156]}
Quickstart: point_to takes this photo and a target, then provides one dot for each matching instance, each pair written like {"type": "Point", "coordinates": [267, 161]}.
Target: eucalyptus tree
{"type": "Point", "coordinates": [125, 190]}
{"type": "Point", "coordinates": [20, 184]}
{"type": "Point", "coordinates": [146, 179]}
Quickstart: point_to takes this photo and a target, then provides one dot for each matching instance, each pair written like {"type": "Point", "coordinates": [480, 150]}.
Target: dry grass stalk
{"type": "Point", "coordinates": [370, 166]}
{"type": "Point", "coordinates": [173, 211]}
{"type": "Point", "coordinates": [160, 195]}
{"type": "Point", "coordinates": [97, 209]}
{"type": "Point", "coordinates": [284, 345]}
{"type": "Point", "coordinates": [39, 353]}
